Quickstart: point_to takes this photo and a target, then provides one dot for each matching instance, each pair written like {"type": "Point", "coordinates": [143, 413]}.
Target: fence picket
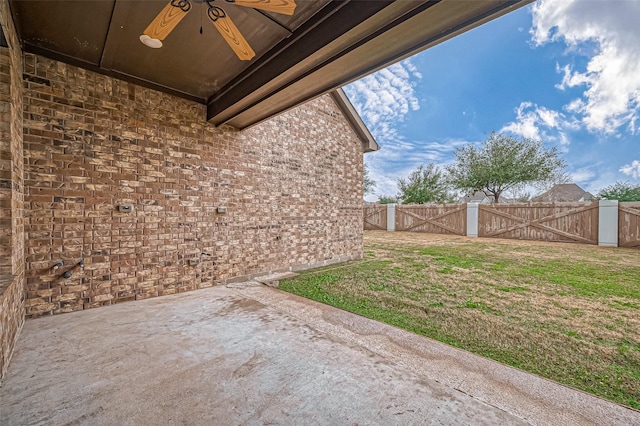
{"type": "Point", "coordinates": [375, 217]}
{"type": "Point", "coordinates": [629, 224]}
{"type": "Point", "coordinates": [437, 218]}
{"type": "Point", "coordinates": [568, 222]}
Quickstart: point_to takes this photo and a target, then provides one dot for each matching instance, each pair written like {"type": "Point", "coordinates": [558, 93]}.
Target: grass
{"type": "Point", "coordinates": [570, 313]}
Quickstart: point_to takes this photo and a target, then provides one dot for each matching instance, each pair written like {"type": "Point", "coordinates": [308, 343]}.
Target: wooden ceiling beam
{"type": "Point", "coordinates": [326, 26]}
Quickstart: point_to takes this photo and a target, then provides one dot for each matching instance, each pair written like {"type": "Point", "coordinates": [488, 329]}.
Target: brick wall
{"type": "Point", "coordinates": [291, 187]}
{"type": "Point", "coordinates": [12, 275]}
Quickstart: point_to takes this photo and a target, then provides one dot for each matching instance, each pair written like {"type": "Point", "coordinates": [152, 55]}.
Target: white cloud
{"type": "Point", "coordinates": [603, 177]}
{"type": "Point", "coordinates": [540, 123]}
{"type": "Point", "coordinates": [444, 147]}
{"type": "Point", "coordinates": [632, 169]}
{"type": "Point", "coordinates": [585, 174]}
{"type": "Point", "coordinates": [526, 123]}
{"type": "Point", "coordinates": [570, 79]}
{"type": "Point", "coordinates": [611, 99]}
{"type": "Point", "coordinates": [383, 100]}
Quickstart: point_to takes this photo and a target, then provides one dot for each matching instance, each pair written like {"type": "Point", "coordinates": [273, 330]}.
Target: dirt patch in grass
{"type": "Point", "coordinates": [567, 312]}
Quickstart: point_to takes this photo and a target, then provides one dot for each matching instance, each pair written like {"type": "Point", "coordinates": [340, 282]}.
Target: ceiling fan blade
{"type": "Point", "coordinates": [231, 34]}
{"type": "Point", "coordinates": [167, 19]}
{"type": "Point", "coordinates": [286, 7]}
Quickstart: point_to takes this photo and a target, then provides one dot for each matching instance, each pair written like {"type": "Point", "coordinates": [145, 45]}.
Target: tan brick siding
{"type": "Point", "coordinates": [291, 187]}
{"type": "Point", "coordinates": [12, 277]}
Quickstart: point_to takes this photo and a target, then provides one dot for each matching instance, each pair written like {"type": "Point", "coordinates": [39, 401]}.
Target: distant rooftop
{"type": "Point", "coordinates": [564, 192]}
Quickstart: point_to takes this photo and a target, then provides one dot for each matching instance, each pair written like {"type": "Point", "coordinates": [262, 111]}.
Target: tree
{"type": "Point", "coordinates": [424, 185]}
{"type": "Point", "coordinates": [387, 199]}
{"type": "Point", "coordinates": [368, 184]}
{"type": "Point", "coordinates": [520, 195]}
{"type": "Point", "coordinates": [504, 163]}
{"type": "Point", "coordinates": [621, 191]}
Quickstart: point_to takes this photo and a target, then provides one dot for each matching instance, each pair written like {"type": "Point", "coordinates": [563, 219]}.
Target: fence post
{"type": "Point", "coordinates": [391, 217]}
{"type": "Point", "coordinates": [608, 223]}
{"type": "Point", "coordinates": [472, 219]}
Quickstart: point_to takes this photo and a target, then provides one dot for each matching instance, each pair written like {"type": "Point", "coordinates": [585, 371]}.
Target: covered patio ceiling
{"type": "Point", "coordinates": [302, 48]}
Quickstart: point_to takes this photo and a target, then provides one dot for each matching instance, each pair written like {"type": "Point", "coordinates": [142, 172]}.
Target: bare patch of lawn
{"type": "Point", "coordinates": [567, 312]}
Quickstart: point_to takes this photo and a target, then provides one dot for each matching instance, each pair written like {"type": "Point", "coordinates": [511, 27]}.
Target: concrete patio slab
{"type": "Point", "coordinates": [251, 354]}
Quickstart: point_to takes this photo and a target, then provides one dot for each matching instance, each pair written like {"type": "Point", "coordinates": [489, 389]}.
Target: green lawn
{"type": "Point", "coordinates": [567, 312]}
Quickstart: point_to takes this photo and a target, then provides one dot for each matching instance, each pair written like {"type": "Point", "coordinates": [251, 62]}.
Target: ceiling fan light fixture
{"type": "Point", "coordinates": [150, 42]}
{"type": "Point", "coordinates": [175, 10]}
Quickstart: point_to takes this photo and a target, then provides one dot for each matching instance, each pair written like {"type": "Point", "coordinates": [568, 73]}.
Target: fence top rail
{"type": "Point", "coordinates": [545, 204]}
{"type": "Point", "coordinates": [499, 205]}
{"type": "Point", "coordinates": [432, 205]}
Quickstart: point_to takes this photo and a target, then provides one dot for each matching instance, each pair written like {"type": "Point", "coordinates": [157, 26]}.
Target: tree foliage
{"type": "Point", "coordinates": [368, 184]}
{"type": "Point", "coordinates": [424, 185]}
{"type": "Point", "coordinates": [621, 191]}
{"type": "Point", "coordinates": [504, 163]}
{"type": "Point", "coordinates": [387, 199]}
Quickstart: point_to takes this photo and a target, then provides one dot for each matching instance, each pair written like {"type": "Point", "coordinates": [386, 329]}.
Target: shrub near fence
{"type": "Point", "coordinates": [607, 223]}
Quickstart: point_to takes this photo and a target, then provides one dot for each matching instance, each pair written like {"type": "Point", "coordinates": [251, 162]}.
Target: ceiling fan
{"type": "Point", "coordinates": [175, 10]}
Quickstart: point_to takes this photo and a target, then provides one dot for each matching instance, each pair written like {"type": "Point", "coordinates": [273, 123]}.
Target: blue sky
{"type": "Point", "coordinates": [566, 72]}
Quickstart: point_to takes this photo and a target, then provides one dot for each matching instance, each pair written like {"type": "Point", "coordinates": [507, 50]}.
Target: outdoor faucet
{"type": "Point", "coordinates": [68, 273]}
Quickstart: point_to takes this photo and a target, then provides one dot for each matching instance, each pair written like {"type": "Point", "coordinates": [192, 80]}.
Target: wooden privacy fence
{"type": "Point", "coordinates": [375, 217]}
{"type": "Point", "coordinates": [567, 222]}
{"type": "Point", "coordinates": [606, 223]}
{"type": "Point", "coordinates": [433, 218]}
{"type": "Point", "coordinates": [629, 224]}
